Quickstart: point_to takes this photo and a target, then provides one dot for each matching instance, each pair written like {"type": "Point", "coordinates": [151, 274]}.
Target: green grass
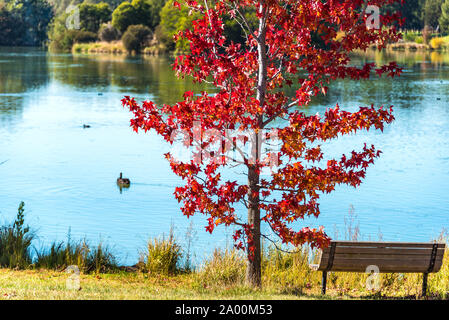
{"type": "Point", "coordinates": [48, 284]}
{"type": "Point", "coordinates": [33, 284]}
{"type": "Point", "coordinates": [160, 276]}
{"type": "Point", "coordinates": [285, 276]}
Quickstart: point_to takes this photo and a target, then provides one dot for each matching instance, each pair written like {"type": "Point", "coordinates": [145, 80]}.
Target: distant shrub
{"type": "Point", "coordinates": [437, 43]}
{"type": "Point", "coordinates": [162, 256]}
{"type": "Point", "coordinates": [15, 242]}
{"type": "Point", "coordinates": [172, 21]}
{"type": "Point", "coordinates": [108, 33]}
{"type": "Point", "coordinates": [93, 15]}
{"type": "Point", "coordinates": [71, 37]}
{"type": "Point", "coordinates": [411, 36]}
{"type": "Point", "coordinates": [135, 38]}
{"type": "Point", "coordinates": [81, 36]}
{"type": "Point", "coordinates": [419, 40]}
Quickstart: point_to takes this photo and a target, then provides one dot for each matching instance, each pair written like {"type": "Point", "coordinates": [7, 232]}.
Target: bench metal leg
{"type": "Point", "coordinates": [424, 284]}
{"type": "Point", "coordinates": [323, 282]}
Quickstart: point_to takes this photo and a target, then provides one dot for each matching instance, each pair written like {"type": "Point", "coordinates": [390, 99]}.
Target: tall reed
{"type": "Point", "coordinates": [89, 259]}
{"type": "Point", "coordinates": [15, 242]}
{"type": "Point", "coordinates": [162, 256]}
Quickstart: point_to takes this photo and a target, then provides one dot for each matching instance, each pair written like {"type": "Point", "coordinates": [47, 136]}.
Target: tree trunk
{"type": "Point", "coordinates": [253, 271]}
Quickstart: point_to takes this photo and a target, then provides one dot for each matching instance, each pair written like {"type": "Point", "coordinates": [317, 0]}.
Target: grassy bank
{"type": "Point", "coordinates": [115, 47]}
{"type": "Point", "coordinates": [417, 41]}
{"type": "Point", "coordinates": [164, 272]}
{"type": "Point", "coordinates": [47, 284]}
{"type": "Point", "coordinates": [285, 276]}
{"type": "Point", "coordinates": [44, 284]}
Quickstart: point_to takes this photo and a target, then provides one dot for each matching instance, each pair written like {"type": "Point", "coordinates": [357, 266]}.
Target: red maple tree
{"type": "Point", "coordinates": [299, 44]}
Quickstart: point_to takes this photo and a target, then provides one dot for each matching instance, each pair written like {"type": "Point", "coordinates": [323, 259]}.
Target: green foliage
{"type": "Point", "coordinates": [145, 12]}
{"type": "Point", "coordinates": [432, 12]}
{"type": "Point", "coordinates": [162, 256]}
{"type": "Point", "coordinates": [411, 36]}
{"type": "Point", "coordinates": [108, 33]}
{"type": "Point", "coordinates": [62, 39]}
{"type": "Point", "coordinates": [123, 16]}
{"type": "Point", "coordinates": [135, 38]}
{"type": "Point", "coordinates": [56, 34]}
{"type": "Point", "coordinates": [419, 40]}
{"type": "Point", "coordinates": [444, 18]}
{"type": "Point", "coordinates": [15, 242]}
{"type": "Point", "coordinates": [156, 8]}
{"type": "Point", "coordinates": [81, 36]}
{"type": "Point", "coordinates": [89, 260]}
{"type": "Point", "coordinates": [233, 31]}
{"type": "Point", "coordinates": [25, 22]}
{"type": "Point", "coordinates": [60, 6]}
{"type": "Point", "coordinates": [174, 20]}
{"type": "Point", "coordinates": [70, 37]}
{"type": "Point", "coordinates": [11, 28]}
{"type": "Point", "coordinates": [93, 15]}
{"type": "Point", "coordinates": [411, 11]}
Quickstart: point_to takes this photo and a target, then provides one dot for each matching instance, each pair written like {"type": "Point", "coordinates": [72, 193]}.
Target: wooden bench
{"type": "Point", "coordinates": [389, 257]}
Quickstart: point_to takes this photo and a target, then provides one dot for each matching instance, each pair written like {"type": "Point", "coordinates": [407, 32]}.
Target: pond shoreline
{"type": "Point", "coordinates": [116, 47]}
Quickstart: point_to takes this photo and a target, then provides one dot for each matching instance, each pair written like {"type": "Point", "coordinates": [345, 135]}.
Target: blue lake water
{"type": "Point", "coordinates": [66, 174]}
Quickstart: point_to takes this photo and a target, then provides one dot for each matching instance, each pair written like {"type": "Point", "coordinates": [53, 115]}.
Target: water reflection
{"type": "Point", "coordinates": [140, 75]}
{"type": "Point", "coordinates": [21, 71]}
{"type": "Point", "coordinates": [424, 74]}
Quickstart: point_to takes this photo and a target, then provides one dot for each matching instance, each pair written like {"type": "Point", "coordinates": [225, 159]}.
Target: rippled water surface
{"type": "Point", "coordinates": [66, 174]}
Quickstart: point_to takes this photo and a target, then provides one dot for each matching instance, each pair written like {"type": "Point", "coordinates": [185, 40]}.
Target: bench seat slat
{"type": "Point", "coordinates": [387, 244]}
{"type": "Point", "coordinates": [395, 251]}
{"type": "Point", "coordinates": [382, 262]}
{"type": "Point", "coordinates": [362, 269]}
{"type": "Point", "coordinates": [357, 256]}
{"type": "Point", "coordinates": [384, 266]}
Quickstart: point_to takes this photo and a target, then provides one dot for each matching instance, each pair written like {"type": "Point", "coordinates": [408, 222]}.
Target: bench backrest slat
{"type": "Point", "coordinates": [387, 256]}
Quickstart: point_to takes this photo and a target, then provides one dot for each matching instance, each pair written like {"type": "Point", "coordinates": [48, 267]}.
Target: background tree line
{"type": "Point", "coordinates": [135, 22]}
{"type": "Point", "coordinates": [24, 22]}
{"type": "Point", "coordinates": [421, 13]}
{"type": "Point", "coordinates": [34, 22]}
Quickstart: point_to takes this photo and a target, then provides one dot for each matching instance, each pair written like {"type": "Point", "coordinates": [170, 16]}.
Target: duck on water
{"type": "Point", "coordinates": [123, 182]}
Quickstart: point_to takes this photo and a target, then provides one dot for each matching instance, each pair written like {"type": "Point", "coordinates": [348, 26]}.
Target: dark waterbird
{"type": "Point", "coordinates": [123, 182]}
